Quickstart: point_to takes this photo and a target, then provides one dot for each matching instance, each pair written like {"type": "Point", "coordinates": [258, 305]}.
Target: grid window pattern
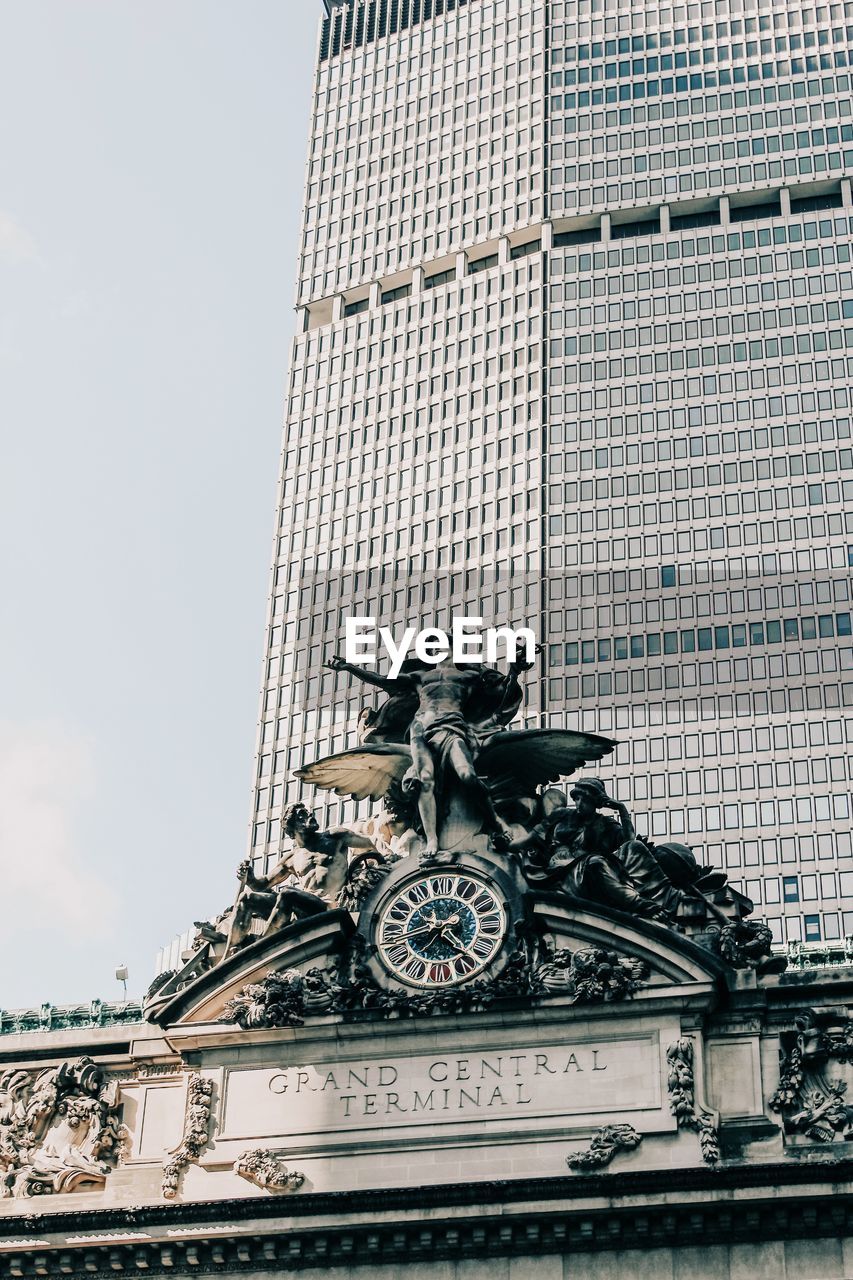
{"type": "Point", "coordinates": [576, 281]}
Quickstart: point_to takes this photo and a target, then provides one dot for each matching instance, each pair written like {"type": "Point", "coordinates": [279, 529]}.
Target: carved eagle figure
{"type": "Point", "coordinates": [513, 763]}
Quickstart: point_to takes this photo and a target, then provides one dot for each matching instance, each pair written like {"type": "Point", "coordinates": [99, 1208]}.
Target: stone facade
{"type": "Point", "coordinates": [696, 1124]}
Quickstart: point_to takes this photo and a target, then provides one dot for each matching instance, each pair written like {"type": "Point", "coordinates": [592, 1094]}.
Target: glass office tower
{"type": "Point", "coordinates": [575, 316]}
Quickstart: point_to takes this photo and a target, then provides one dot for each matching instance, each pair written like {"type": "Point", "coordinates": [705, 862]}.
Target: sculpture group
{"type": "Point", "coordinates": [450, 775]}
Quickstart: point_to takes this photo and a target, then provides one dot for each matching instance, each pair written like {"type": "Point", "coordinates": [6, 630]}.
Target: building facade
{"type": "Point", "coordinates": [575, 315]}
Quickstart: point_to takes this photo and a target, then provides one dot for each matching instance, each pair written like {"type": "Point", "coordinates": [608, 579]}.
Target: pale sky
{"type": "Point", "coordinates": [151, 172]}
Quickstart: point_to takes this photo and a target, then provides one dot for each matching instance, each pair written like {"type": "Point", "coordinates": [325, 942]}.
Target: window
{"type": "Point", "coordinates": [790, 889]}
{"type": "Point", "coordinates": [522, 250]}
{"type": "Point", "coordinates": [482, 264]}
{"type": "Point", "coordinates": [393, 295]}
{"type": "Point", "coordinates": [440, 277]}
{"type": "Point", "coordinates": [812, 928]}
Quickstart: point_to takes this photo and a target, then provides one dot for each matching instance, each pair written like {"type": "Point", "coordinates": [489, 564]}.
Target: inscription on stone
{"type": "Point", "coordinates": [580, 1079]}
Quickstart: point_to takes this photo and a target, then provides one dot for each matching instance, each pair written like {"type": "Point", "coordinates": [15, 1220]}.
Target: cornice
{"type": "Point", "coordinates": [528, 1217]}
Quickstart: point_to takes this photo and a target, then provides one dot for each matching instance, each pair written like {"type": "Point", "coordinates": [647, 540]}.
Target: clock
{"type": "Point", "coordinates": [441, 929]}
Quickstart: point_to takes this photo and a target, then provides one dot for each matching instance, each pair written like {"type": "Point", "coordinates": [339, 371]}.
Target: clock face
{"type": "Point", "coordinates": [441, 929]}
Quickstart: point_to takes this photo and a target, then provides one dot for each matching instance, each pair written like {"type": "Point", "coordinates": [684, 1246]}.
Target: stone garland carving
{"type": "Point", "coordinates": [810, 1101]}
{"type": "Point", "coordinates": [745, 944]}
{"type": "Point", "coordinates": [606, 1142]}
{"type": "Point", "coordinates": [682, 1100]}
{"type": "Point", "coordinates": [196, 1132]}
{"type": "Point", "coordinates": [588, 976]}
{"type": "Point", "coordinates": [59, 1130]}
{"type": "Point", "coordinates": [268, 1171]}
{"type": "Point", "coordinates": [591, 975]}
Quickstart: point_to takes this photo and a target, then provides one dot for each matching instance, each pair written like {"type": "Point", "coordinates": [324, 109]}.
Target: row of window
{"type": "Point", "coordinates": [714, 709]}
{"type": "Point", "coordinates": [658, 64]}
{"type": "Point", "coordinates": [708, 37]}
{"type": "Point", "coordinates": [704, 639]}
{"type": "Point", "coordinates": [697, 81]}
{"type": "Point", "coordinates": [703, 299]}
{"type": "Point", "coordinates": [688, 676]}
{"type": "Point", "coordinates": [627, 254]}
{"type": "Point", "coordinates": [823, 927]}
{"type": "Point", "coordinates": [698, 154]}
{"type": "Point", "coordinates": [663, 480]}
{"type": "Point", "coordinates": [730, 780]}
{"type": "Point", "coordinates": [664, 335]}
{"type": "Point", "coordinates": [706, 125]}
{"type": "Point", "coordinates": [698, 415]}
{"type": "Point", "coordinates": [828, 845]}
{"type": "Point", "coordinates": [743, 815]}
{"type": "Point", "coordinates": [661, 450]}
{"type": "Point", "coordinates": [603, 550]}
{"type": "Point", "coordinates": [631, 18]}
{"type": "Point", "coordinates": [676, 361]}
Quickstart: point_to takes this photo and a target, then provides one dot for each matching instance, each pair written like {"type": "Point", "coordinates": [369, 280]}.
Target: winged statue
{"type": "Point", "coordinates": [457, 748]}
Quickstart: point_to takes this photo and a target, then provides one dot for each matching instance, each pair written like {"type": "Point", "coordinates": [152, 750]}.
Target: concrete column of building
{"type": "Point", "coordinates": [338, 307]}
{"type": "Point", "coordinates": [547, 235]}
{"type": "Point", "coordinates": [375, 296]}
{"type": "Point", "coordinates": [785, 202]}
{"type": "Point", "coordinates": [664, 220]}
{"type": "Point", "coordinates": [461, 266]}
{"type": "Point", "coordinates": [503, 251]}
{"type": "Point", "coordinates": [846, 193]}
{"type": "Point", "coordinates": [418, 280]}
{"type": "Point", "coordinates": [605, 228]}
{"type": "Point", "coordinates": [724, 211]}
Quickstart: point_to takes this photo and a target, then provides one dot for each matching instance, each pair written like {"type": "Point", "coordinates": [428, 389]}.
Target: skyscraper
{"type": "Point", "coordinates": [574, 300]}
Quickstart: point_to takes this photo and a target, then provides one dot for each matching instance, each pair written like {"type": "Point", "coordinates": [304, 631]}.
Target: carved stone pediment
{"type": "Point", "coordinates": [316, 941]}
{"type": "Point", "coordinates": [553, 950]}
{"type": "Point", "coordinates": [668, 958]}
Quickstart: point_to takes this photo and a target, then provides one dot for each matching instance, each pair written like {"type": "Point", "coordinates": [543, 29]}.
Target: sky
{"type": "Point", "coordinates": [152, 159]}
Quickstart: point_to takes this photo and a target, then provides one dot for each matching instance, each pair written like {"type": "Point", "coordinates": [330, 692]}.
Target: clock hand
{"type": "Point", "coordinates": [454, 941]}
{"type": "Point", "coordinates": [413, 933]}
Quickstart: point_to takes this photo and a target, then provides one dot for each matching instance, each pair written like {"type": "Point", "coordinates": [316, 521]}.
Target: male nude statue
{"type": "Point", "coordinates": [443, 741]}
{"type": "Point", "coordinates": [319, 861]}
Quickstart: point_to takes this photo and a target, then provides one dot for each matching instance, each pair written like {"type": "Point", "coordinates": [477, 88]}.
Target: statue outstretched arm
{"type": "Point", "coordinates": [369, 677]}
{"type": "Point", "coordinates": [352, 839]}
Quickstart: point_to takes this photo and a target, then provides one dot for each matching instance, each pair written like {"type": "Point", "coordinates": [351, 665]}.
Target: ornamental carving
{"type": "Point", "coordinates": [532, 972]}
{"type": "Point", "coordinates": [268, 1171]}
{"type": "Point", "coordinates": [591, 975]}
{"type": "Point", "coordinates": [605, 1144]}
{"type": "Point", "coordinates": [682, 1100]}
{"type": "Point", "coordinates": [59, 1129]}
{"type": "Point", "coordinates": [196, 1133]}
{"type": "Point", "coordinates": [811, 1098]}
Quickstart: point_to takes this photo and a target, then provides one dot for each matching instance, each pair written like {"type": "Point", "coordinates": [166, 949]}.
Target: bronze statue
{"type": "Point", "coordinates": [457, 746]}
{"type": "Point", "coordinates": [318, 860]}
{"type": "Point", "coordinates": [597, 858]}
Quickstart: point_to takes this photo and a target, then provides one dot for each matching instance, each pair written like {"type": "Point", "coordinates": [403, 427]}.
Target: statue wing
{"type": "Point", "coordinates": [364, 773]}
{"type": "Point", "coordinates": [516, 763]}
